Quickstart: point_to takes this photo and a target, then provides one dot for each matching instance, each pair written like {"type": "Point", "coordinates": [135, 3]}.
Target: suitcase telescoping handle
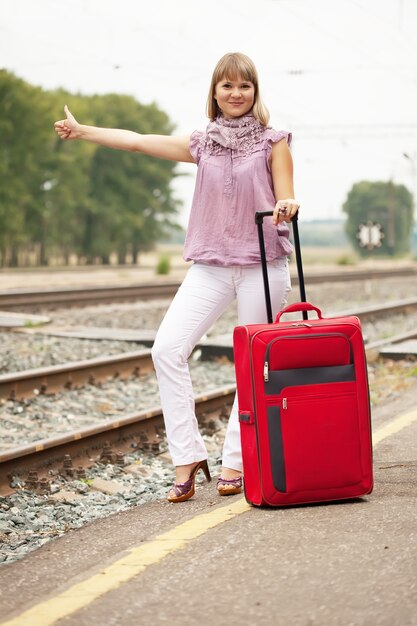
{"type": "Point", "coordinates": [259, 219]}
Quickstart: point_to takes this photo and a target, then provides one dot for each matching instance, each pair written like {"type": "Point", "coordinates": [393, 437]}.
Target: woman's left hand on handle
{"type": "Point", "coordinates": [285, 210]}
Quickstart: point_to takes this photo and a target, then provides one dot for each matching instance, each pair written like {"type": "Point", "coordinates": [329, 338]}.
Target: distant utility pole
{"type": "Point", "coordinates": [412, 160]}
{"type": "Point", "coordinates": [390, 220]}
{"type": "Point", "coordinates": [400, 13]}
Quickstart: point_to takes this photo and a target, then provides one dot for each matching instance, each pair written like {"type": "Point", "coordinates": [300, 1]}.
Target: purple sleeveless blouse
{"type": "Point", "coordinates": [231, 185]}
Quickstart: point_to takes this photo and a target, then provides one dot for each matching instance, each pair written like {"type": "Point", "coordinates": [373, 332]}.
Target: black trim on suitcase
{"type": "Point", "coordinates": [276, 449]}
{"type": "Point", "coordinates": [279, 379]}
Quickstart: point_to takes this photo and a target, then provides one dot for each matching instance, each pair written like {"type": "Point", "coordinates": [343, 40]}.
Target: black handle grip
{"type": "Point", "coordinates": [259, 216]}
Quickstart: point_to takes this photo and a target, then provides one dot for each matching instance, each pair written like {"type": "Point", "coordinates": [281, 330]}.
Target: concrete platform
{"type": "Point", "coordinates": [19, 320]}
{"type": "Point", "coordinates": [145, 337]}
{"type": "Point", "coordinates": [219, 346]}
{"type": "Point", "coordinates": [340, 564]}
{"type": "Point", "coordinates": [401, 350]}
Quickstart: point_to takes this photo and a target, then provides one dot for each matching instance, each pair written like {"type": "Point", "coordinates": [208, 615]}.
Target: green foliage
{"type": "Point", "coordinates": [61, 198]}
{"type": "Point", "coordinates": [384, 203]}
{"type": "Point", "coordinates": [345, 260]}
{"type": "Point", "coordinates": [164, 264]}
{"type": "Point", "coordinates": [323, 233]}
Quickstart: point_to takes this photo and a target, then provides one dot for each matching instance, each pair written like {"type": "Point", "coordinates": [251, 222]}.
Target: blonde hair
{"type": "Point", "coordinates": [232, 66]}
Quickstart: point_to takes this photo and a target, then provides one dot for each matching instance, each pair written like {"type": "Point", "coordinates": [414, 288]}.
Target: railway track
{"type": "Point", "coordinates": [48, 380]}
{"type": "Point", "coordinates": [27, 299]}
{"type": "Point", "coordinates": [105, 439]}
{"type": "Point", "coordinates": [89, 445]}
{"type": "Point", "coordinates": [19, 385]}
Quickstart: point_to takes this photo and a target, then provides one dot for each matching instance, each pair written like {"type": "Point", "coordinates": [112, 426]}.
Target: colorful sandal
{"type": "Point", "coordinates": [185, 491]}
{"type": "Point", "coordinates": [229, 487]}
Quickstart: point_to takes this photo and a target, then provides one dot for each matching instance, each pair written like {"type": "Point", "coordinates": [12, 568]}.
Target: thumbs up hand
{"type": "Point", "coordinates": [68, 128]}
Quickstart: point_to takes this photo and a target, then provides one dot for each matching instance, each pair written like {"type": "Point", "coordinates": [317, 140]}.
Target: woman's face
{"type": "Point", "coordinates": [234, 97]}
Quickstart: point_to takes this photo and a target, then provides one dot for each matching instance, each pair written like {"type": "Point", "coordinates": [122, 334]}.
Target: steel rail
{"type": "Point", "coordinates": [85, 445]}
{"type": "Point", "coordinates": [381, 343]}
{"type": "Point", "coordinates": [48, 380]}
{"type": "Point", "coordinates": [373, 311]}
{"type": "Point", "coordinates": [23, 299]}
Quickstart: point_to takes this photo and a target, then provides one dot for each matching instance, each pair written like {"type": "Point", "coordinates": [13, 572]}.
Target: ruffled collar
{"type": "Point", "coordinates": [240, 134]}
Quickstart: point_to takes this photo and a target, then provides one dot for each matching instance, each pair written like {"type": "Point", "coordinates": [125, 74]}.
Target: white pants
{"type": "Point", "coordinates": [204, 295]}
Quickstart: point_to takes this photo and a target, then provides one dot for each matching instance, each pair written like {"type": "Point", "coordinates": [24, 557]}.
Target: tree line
{"type": "Point", "coordinates": [379, 218]}
{"type": "Point", "coordinates": [63, 200]}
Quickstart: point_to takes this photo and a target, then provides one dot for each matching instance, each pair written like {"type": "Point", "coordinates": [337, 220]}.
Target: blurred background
{"type": "Point", "coordinates": [341, 76]}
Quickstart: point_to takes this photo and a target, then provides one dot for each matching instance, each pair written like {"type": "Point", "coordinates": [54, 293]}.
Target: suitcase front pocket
{"type": "Point", "coordinates": [321, 351]}
{"type": "Point", "coordinates": [314, 441]}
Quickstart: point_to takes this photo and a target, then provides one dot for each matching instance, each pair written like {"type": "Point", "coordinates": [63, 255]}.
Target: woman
{"type": "Point", "coordinates": [243, 166]}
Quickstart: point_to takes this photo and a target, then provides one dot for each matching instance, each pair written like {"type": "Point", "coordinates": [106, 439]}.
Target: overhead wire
{"type": "Point", "coordinates": [376, 17]}
{"type": "Point", "coordinates": [343, 41]}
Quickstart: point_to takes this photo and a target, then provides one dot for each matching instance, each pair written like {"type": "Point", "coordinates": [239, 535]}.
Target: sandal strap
{"type": "Point", "coordinates": [235, 482]}
{"type": "Point", "coordinates": [181, 488]}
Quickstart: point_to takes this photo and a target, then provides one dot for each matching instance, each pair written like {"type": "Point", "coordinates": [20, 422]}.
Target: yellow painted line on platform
{"type": "Point", "coordinates": [81, 594]}
{"type": "Point", "coordinates": [394, 427]}
{"type": "Point", "coordinates": [137, 560]}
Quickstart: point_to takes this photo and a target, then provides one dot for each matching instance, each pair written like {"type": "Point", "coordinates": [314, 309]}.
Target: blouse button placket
{"type": "Point", "coordinates": [228, 174]}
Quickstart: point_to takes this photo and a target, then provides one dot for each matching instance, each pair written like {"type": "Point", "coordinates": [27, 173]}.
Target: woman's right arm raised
{"type": "Point", "coordinates": [162, 146]}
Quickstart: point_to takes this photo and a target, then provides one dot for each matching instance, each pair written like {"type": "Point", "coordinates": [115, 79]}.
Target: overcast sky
{"type": "Point", "coordinates": [340, 74]}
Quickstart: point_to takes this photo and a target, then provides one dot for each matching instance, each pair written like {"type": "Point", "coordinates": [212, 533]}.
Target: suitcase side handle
{"type": "Point", "coordinates": [299, 306]}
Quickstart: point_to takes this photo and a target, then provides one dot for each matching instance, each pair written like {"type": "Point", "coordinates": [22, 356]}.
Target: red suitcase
{"type": "Point", "coordinates": [304, 407]}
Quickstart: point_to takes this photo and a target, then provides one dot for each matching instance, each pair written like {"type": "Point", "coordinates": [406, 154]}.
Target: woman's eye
{"type": "Point", "coordinates": [242, 86]}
